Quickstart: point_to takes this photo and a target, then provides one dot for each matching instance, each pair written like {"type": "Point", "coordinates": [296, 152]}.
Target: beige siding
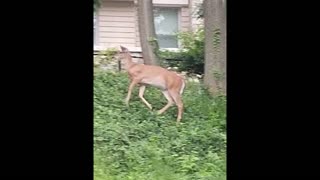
{"type": "Point", "coordinates": [116, 29]}
{"type": "Point", "coordinates": [116, 24]}
{"type": "Point", "coordinates": [119, 40]}
{"type": "Point", "coordinates": [185, 19]}
{"type": "Point", "coordinates": [116, 45]}
{"type": "Point", "coordinates": [184, 12]}
{"type": "Point", "coordinates": [115, 14]}
{"type": "Point", "coordinates": [117, 35]}
{"type": "Point", "coordinates": [118, 19]}
{"type": "Point", "coordinates": [137, 27]}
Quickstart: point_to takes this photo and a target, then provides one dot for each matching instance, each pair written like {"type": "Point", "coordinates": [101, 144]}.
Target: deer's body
{"type": "Point", "coordinates": [170, 83]}
{"type": "Point", "coordinates": [155, 76]}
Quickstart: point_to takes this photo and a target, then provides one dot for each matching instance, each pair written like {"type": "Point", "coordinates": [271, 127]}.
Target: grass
{"type": "Point", "coordinates": [135, 143]}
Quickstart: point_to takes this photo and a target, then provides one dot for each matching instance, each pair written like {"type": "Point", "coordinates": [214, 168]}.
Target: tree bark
{"type": "Point", "coordinates": [215, 46]}
{"type": "Point", "coordinates": [223, 53]}
{"type": "Point", "coordinates": [149, 44]}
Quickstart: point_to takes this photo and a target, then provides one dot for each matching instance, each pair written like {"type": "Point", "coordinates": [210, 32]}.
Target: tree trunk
{"type": "Point", "coordinates": [148, 41]}
{"type": "Point", "coordinates": [223, 53]}
{"type": "Point", "coordinates": [215, 46]}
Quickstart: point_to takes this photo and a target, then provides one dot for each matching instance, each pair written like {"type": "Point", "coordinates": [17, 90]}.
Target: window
{"type": "Point", "coordinates": [166, 26]}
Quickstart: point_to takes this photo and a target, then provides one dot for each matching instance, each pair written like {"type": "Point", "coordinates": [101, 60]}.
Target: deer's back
{"type": "Point", "coordinates": [156, 76]}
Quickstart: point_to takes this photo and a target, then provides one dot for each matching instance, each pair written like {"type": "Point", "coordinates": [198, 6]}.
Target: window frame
{"type": "Point", "coordinates": [178, 19]}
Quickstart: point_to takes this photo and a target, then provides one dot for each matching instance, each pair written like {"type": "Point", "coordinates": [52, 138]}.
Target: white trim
{"type": "Point", "coordinates": [179, 25]}
{"type": "Point", "coordinates": [136, 49]}
{"type": "Point", "coordinates": [171, 2]}
{"type": "Point", "coordinates": [101, 48]}
{"type": "Point", "coordinates": [170, 5]}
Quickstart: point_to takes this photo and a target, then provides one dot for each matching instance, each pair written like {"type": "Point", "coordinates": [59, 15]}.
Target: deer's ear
{"type": "Point", "coordinates": [123, 49]}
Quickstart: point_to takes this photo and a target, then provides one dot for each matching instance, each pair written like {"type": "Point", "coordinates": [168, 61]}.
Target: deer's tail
{"type": "Point", "coordinates": [183, 85]}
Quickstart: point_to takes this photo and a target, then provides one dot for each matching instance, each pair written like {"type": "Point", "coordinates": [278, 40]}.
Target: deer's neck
{"type": "Point", "coordinates": [129, 61]}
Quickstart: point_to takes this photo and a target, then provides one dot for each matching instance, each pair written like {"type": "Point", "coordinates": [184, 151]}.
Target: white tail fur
{"type": "Point", "coordinates": [170, 83]}
{"type": "Point", "coordinates": [182, 87]}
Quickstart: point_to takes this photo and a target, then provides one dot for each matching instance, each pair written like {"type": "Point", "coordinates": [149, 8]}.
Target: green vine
{"type": "Point", "coordinates": [217, 75]}
{"type": "Point", "coordinates": [216, 39]}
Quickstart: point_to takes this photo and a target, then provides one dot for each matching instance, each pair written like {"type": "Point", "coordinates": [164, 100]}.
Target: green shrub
{"type": "Point", "coordinates": [135, 143]}
{"type": "Point", "coordinates": [191, 57]}
{"type": "Point", "coordinates": [105, 57]}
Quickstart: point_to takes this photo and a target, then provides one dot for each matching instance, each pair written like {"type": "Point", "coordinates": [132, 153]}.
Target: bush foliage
{"type": "Point", "coordinates": [104, 58]}
{"type": "Point", "coordinates": [135, 143]}
{"type": "Point", "coordinates": [191, 57]}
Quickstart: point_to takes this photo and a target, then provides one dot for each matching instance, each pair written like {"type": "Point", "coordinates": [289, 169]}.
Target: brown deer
{"type": "Point", "coordinates": [170, 83]}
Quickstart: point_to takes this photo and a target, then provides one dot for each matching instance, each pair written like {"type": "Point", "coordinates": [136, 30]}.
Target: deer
{"type": "Point", "coordinates": [170, 83]}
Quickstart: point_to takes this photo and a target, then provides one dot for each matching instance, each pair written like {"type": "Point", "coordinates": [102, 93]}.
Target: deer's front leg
{"type": "Point", "coordinates": [141, 92]}
{"type": "Point", "coordinates": [131, 86]}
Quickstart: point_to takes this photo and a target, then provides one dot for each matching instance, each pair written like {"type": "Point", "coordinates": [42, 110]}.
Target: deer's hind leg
{"type": "Point", "coordinates": [169, 104]}
{"type": "Point", "coordinates": [177, 99]}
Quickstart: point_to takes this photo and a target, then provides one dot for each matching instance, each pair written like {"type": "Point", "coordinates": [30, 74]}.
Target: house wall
{"type": "Point", "coordinates": [117, 22]}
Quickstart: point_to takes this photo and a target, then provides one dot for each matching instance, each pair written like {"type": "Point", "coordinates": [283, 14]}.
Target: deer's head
{"type": "Point", "coordinates": [124, 49]}
{"type": "Point", "coordinates": [125, 57]}
{"type": "Point", "coordinates": [124, 54]}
